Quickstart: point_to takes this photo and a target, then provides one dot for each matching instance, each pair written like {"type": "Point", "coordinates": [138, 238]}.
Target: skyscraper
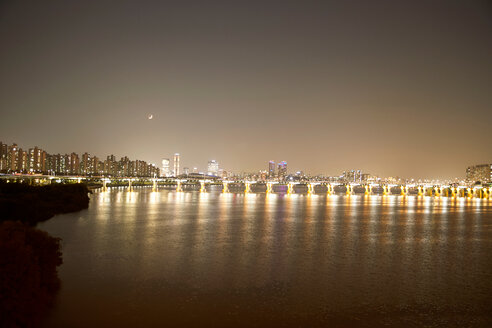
{"type": "Point", "coordinates": [271, 168]}
{"type": "Point", "coordinates": [352, 176]}
{"type": "Point", "coordinates": [176, 164]}
{"type": "Point", "coordinates": [282, 169]}
{"type": "Point", "coordinates": [213, 168]}
{"type": "Point", "coordinates": [165, 172]}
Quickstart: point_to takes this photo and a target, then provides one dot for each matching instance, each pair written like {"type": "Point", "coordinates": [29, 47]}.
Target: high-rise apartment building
{"type": "Point", "coordinates": [481, 173]}
{"type": "Point", "coordinates": [66, 160]}
{"type": "Point", "coordinates": [74, 164]}
{"type": "Point", "coordinates": [13, 154]}
{"type": "Point", "coordinates": [166, 171]}
{"type": "Point", "coordinates": [36, 158]}
{"type": "Point", "coordinates": [4, 151]}
{"type": "Point", "coordinates": [124, 167]}
{"type": "Point", "coordinates": [85, 164]}
{"type": "Point", "coordinates": [15, 160]}
{"type": "Point", "coordinates": [352, 176]}
{"type": "Point", "coordinates": [22, 163]}
{"type": "Point", "coordinates": [152, 171]}
{"type": "Point", "coordinates": [95, 166]}
{"type": "Point", "coordinates": [57, 164]}
{"type": "Point", "coordinates": [213, 168]}
{"type": "Point", "coordinates": [110, 166]}
{"type": "Point", "coordinates": [176, 164]}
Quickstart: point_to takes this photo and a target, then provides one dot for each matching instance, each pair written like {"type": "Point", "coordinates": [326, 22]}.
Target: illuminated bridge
{"type": "Point", "coordinates": [247, 186]}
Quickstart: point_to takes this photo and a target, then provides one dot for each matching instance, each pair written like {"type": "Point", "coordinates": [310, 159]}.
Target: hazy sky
{"type": "Point", "coordinates": [390, 87]}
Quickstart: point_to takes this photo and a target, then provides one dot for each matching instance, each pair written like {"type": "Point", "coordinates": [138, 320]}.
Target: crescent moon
{"type": "Point", "coordinates": [151, 116]}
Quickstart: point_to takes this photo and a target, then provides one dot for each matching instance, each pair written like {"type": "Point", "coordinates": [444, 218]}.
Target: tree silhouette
{"type": "Point", "coordinates": [28, 274]}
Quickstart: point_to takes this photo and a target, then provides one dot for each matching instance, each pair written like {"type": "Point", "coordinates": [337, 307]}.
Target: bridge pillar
{"type": "Point", "coordinates": [130, 185]}
{"type": "Point", "coordinates": [290, 188]}
{"type": "Point", "coordinates": [367, 192]}
{"type": "Point", "coordinates": [202, 186]}
{"type": "Point", "coordinates": [105, 187]}
{"type": "Point", "coordinates": [225, 187]}
{"type": "Point", "coordinates": [329, 189]}
{"type": "Point", "coordinates": [404, 190]}
{"type": "Point", "coordinates": [154, 185]}
{"type": "Point", "coordinates": [247, 187]}
{"type": "Point", "coordinates": [310, 188]}
{"type": "Point", "coordinates": [386, 190]}
{"type": "Point", "coordinates": [178, 186]}
{"type": "Point", "coordinates": [269, 187]}
{"type": "Point", "coordinates": [349, 190]}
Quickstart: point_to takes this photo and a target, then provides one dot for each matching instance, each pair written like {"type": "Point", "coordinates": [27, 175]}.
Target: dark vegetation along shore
{"type": "Point", "coordinates": [29, 257]}
{"type": "Point", "coordinates": [33, 204]}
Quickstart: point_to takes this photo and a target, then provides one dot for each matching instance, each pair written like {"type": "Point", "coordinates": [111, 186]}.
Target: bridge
{"type": "Point", "coordinates": [251, 186]}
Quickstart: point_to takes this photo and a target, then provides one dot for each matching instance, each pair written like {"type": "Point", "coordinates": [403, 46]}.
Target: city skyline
{"type": "Point", "coordinates": [16, 159]}
{"type": "Point", "coordinates": [394, 88]}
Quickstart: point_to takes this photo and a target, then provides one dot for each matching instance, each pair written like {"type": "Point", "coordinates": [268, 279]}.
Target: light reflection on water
{"type": "Point", "coordinates": [197, 259]}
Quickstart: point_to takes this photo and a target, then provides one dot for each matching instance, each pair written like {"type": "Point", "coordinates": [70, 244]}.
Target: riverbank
{"type": "Point", "coordinates": [29, 257]}
{"type": "Point", "coordinates": [33, 204]}
{"type": "Point", "coordinates": [29, 280]}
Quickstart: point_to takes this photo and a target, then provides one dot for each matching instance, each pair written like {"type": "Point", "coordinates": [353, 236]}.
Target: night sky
{"type": "Point", "coordinates": [395, 88]}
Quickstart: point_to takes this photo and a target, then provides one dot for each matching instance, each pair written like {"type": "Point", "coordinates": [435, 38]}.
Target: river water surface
{"type": "Point", "coordinates": [190, 259]}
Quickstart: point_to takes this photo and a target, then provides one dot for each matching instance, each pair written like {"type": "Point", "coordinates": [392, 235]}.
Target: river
{"type": "Point", "coordinates": [192, 259]}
